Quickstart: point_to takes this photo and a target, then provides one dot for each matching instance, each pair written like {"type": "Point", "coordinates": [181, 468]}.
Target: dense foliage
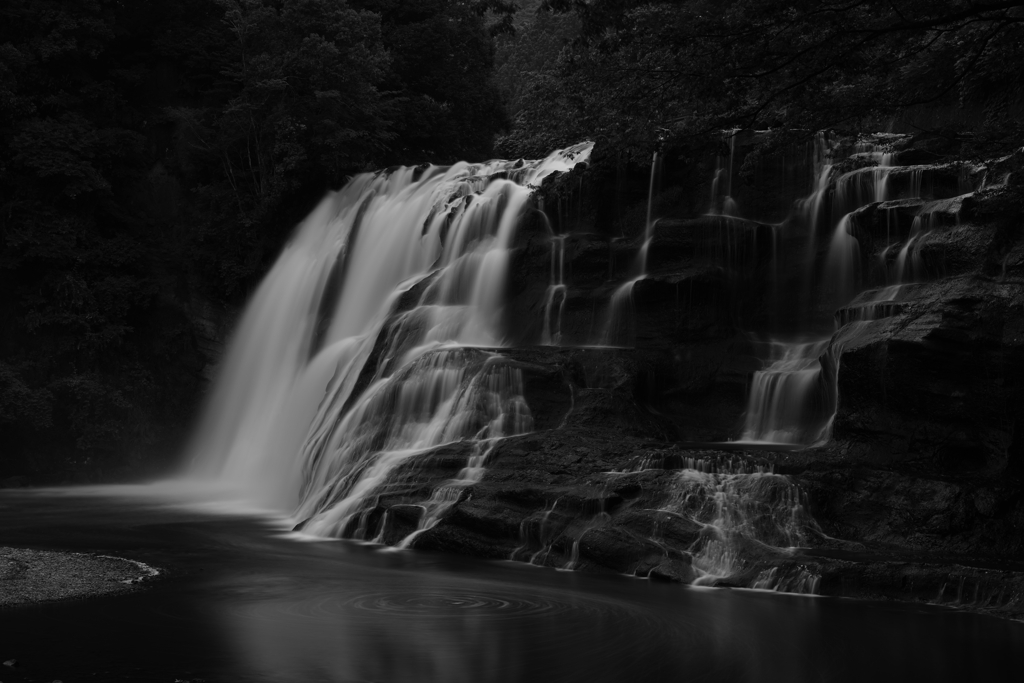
{"type": "Point", "coordinates": [154, 155]}
{"type": "Point", "coordinates": [638, 71]}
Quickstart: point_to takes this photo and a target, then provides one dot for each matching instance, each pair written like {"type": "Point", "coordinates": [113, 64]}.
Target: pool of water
{"type": "Point", "coordinates": [240, 600]}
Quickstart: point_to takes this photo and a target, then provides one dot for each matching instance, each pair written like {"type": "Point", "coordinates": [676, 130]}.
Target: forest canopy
{"type": "Point", "coordinates": [155, 154]}
{"type": "Point", "coordinates": [637, 71]}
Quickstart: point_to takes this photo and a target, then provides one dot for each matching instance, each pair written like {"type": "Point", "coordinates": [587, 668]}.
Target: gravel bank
{"type": "Point", "coordinates": [42, 575]}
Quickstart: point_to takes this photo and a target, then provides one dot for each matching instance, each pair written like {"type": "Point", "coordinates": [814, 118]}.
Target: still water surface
{"type": "Point", "coordinates": [242, 601]}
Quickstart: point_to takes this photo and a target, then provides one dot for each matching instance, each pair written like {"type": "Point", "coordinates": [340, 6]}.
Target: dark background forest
{"type": "Point", "coordinates": [155, 156]}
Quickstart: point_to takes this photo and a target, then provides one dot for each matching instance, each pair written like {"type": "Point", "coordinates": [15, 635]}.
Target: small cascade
{"type": "Point", "coordinates": [598, 521]}
{"type": "Point", "coordinates": [787, 580]}
{"type": "Point", "coordinates": [448, 494]}
{"type": "Point", "coordinates": [552, 537]}
{"type": "Point", "coordinates": [812, 207]}
{"type": "Point", "coordinates": [650, 222]}
{"type": "Point", "coordinates": [812, 212]}
{"type": "Point", "coordinates": [874, 304]}
{"type": "Point", "coordinates": [786, 402]}
{"type": "Point", "coordinates": [904, 262]}
{"type": "Point", "coordinates": [574, 556]}
{"type": "Point", "coordinates": [842, 265]}
{"type": "Point", "coordinates": [853, 190]}
{"type": "Point", "coordinates": [909, 265]}
{"type": "Point", "coordinates": [722, 203]}
{"type": "Point", "coordinates": [618, 328]}
{"type": "Point", "coordinates": [862, 186]}
{"type": "Point", "coordinates": [748, 520]}
{"type": "Point", "coordinates": [361, 348]}
{"type": "Point", "coordinates": [556, 294]}
{"type": "Point", "coordinates": [537, 534]}
{"type": "Point", "coordinates": [1002, 181]}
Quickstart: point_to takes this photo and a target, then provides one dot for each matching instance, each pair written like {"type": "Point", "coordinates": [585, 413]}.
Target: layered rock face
{"type": "Point", "coordinates": [811, 385]}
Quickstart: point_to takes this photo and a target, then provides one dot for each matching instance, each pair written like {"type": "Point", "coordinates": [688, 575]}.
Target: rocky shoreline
{"type": "Point", "coordinates": [33, 576]}
{"type": "Point", "coordinates": [568, 500]}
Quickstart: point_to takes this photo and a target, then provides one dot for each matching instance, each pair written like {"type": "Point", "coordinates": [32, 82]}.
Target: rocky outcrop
{"type": "Point", "coordinates": [939, 380]}
{"type": "Point", "coordinates": [30, 576]}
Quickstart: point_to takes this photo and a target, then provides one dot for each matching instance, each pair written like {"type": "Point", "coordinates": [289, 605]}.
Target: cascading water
{"type": "Point", "coordinates": [785, 405]}
{"type": "Point", "coordinates": [722, 202]}
{"type": "Point", "coordinates": [909, 265]}
{"type": "Point", "coordinates": [790, 401]}
{"type": "Point", "coordinates": [377, 338]}
{"type": "Point", "coordinates": [556, 294]}
{"type": "Point", "coordinates": [811, 207]}
{"type": "Point", "coordinates": [748, 517]}
{"type": "Point", "coordinates": [619, 322]}
{"type": "Point", "coordinates": [366, 344]}
{"type": "Point", "coordinates": [793, 397]}
{"type": "Point", "coordinates": [873, 304]}
{"type": "Point", "coordinates": [852, 191]}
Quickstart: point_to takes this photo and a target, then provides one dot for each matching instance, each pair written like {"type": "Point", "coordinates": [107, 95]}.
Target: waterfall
{"type": "Point", "coordinates": [372, 339]}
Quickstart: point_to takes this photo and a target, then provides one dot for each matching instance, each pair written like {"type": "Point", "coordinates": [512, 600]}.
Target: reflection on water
{"type": "Point", "coordinates": [427, 627]}
{"type": "Point", "coordinates": [244, 604]}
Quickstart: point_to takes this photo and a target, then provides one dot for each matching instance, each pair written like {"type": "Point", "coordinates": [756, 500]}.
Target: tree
{"type": "Point", "coordinates": [528, 79]}
{"type": "Point", "coordinates": [71, 257]}
{"type": "Point", "coordinates": [297, 107]}
{"type": "Point", "coordinates": [641, 70]}
{"type": "Point", "coordinates": [155, 155]}
{"type": "Point", "coordinates": [439, 90]}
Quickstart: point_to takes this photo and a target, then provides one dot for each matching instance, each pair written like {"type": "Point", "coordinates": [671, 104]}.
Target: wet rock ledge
{"type": "Point", "coordinates": [813, 521]}
{"type": "Point", "coordinates": [29, 576]}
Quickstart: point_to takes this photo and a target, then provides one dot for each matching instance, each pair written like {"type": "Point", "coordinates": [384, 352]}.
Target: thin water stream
{"type": "Point", "coordinates": [241, 601]}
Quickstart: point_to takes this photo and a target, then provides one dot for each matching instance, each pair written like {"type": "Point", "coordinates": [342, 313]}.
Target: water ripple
{"type": "Point", "coordinates": [458, 603]}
